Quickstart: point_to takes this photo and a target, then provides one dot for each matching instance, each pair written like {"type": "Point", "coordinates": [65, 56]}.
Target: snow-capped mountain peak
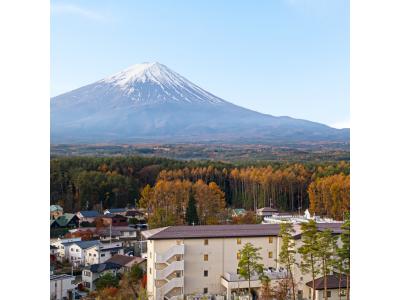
{"type": "Point", "coordinates": [152, 82]}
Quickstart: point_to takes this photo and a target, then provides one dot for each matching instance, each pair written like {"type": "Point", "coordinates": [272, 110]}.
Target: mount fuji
{"type": "Point", "coordinates": [151, 103]}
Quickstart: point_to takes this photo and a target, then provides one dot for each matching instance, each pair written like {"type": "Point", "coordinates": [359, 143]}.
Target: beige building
{"type": "Point", "coordinates": [194, 262]}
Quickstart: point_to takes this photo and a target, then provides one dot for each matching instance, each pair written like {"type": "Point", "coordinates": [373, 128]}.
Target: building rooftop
{"type": "Point", "coordinates": [83, 244]}
{"type": "Point", "coordinates": [89, 213]}
{"type": "Point", "coordinates": [61, 277]}
{"type": "Point", "coordinates": [122, 260]}
{"type": "Point", "coordinates": [332, 282]}
{"type": "Point", "coordinates": [98, 268]}
{"type": "Point", "coordinates": [267, 209]}
{"type": "Point", "coordinates": [65, 219]}
{"type": "Point", "coordinates": [212, 231]}
{"type": "Point", "coordinates": [115, 210]}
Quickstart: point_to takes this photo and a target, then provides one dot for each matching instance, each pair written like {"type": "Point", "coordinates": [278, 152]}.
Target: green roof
{"type": "Point", "coordinates": [64, 219]}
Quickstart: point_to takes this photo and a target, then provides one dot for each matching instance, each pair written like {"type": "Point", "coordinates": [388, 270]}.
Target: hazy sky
{"type": "Point", "coordinates": [281, 57]}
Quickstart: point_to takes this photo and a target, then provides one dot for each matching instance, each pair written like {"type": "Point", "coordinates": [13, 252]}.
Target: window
{"type": "Point", "coordinates": [102, 255]}
{"type": "Point", "coordinates": [270, 254]}
{"type": "Point", "coordinates": [205, 290]}
{"type": "Point", "coordinates": [238, 255]}
{"type": "Point", "coordinates": [90, 254]}
{"type": "Point", "coordinates": [205, 257]}
{"type": "Point", "coordinates": [206, 273]}
{"type": "Point", "coordinates": [206, 242]}
{"type": "Point", "coordinates": [150, 254]}
{"type": "Point", "coordinates": [94, 255]}
{"type": "Point", "coordinates": [270, 239]}
{"type": "Point", "coordinates": [328, 294]}
{"type": "Point", "coordinates": [342, 292]}
{"type": "Point", "coordinates": [150, 270]}
{"type": "Point", "coordinates": [237, 271]}
{"type": "Point", "coordinates": [239, 241]}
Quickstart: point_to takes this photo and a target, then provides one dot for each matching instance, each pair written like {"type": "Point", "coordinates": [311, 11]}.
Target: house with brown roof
{"type": "Point", "coordinates": [334, 281]}
{"type": "Point", "coordinates": [127, 262]}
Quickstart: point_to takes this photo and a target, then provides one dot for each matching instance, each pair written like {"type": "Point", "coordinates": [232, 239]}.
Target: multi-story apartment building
{"type": "Point", "coordinates": [198, 261]}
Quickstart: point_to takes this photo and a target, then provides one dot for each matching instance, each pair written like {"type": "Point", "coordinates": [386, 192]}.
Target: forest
{"type": "Point", "coordinates": [165, 186]}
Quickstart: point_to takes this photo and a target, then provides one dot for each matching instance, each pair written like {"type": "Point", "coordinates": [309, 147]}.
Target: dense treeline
{"type": "Point", "coordinates": [95, 183]}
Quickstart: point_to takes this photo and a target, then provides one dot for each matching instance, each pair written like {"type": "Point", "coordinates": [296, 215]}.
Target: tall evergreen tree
{"type": "Point", "coordinates": [326, 245]}
{"type": "Point", "coordinates": [191, 211]}
{"type": "Point", "coordinates": [309, 251]}
{"type": "Point", "coordinates": [344, 253]}
{"type": "Point", "coordinates": [287, 252]}
{"type": "Point", "coordinates": [250, 263]}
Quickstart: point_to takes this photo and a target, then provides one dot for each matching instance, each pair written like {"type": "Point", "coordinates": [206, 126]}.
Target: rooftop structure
{"type": "Point", "coordinates": [277, 218]}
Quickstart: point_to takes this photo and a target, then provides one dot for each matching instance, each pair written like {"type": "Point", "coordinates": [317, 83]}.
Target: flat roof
{"type": "Point", "coordinates": [61, 277]}
{"type": "Point", "coordinates": [213, 231]}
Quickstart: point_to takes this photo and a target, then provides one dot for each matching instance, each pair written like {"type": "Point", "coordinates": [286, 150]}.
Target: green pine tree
{"type": "Point", "coordinates": [343, 252]}
{"type": "Point", "coordinates": [191, 211]}
{"type": "Point", "coordinates": [288, 252]}
{"type": "Point", "coordinates": [249, 263]}
{"type": "Point", "coordinates": [326, 245]}
{"type": "Point", "coordinates": [309, 251]}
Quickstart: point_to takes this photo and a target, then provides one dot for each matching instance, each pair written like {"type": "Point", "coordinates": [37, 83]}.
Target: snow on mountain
{"type": "Point", "coordinates": [148, 83]}
{"type": "Point", "coordinates": [151, 102]}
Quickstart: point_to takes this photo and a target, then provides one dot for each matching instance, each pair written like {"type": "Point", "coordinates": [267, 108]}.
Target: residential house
{"type": "Point", "coordinates": [67, 220]}
{"type": "Point", "coordinates": [55, 211]}
{"type": "Point", "coordinates": [91, 273]}
{"type": "Point", "coordinates": [120, 211]}
{"type": "Point", "coordinates": [61, 286]}
{"type": "Point", "coordinates": [114, 220]}
{"type": "Point", "coordinates": [62, 251]}
{"type": "Point", "coordinates": [128, 235]}
{"type": "Point", "coordinates": [88, 215]}
{"type": "Point", "coordinates": [77, 251]}
{"type": "Point", "coordinates": [332, 288]}
{"type": "Point", "coordinates": [103, 252]}
{"type": "Point", "coordinates": [203, 260]}
{"type": "Point", "coordinates": [266, 212]}
{"type": "Point", "coordinates": [138, 215]}
{"type": "Point", "coordinates": [126, 262]}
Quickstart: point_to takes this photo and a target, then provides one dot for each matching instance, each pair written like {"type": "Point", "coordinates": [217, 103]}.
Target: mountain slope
{"type": "Point", "coordinates": [150, 102]}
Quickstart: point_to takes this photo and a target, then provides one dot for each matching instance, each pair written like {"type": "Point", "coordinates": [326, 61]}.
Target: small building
{"type": "Point", "coordinates": [138, 215]}
{"type": "Point", "coordinates": [114, 220]}
{"type": "Point", "coordinates": [62, 250]}
{"type": "Point", "coordinates": [91, 273]}
{"type": "Point", "coordinates": [77, 251]}
{"type": "Point", "coordinates": [88, 215]}
{"type": "Point", "coordinates": [266, 212]}
{"type": "Point", "coordinates": [126, 262]}
{"type": "Point", "coordinates": [103, 252]}
{"type": "Point", "coordinates": [67, 220]}
{"type": "Point", "coordinates": [61, 286]}
{"type": "Point", "coordinates": [332, 288]}
{"type": "Point", "coordinates": [55, 211]}
{"type": "Point", "coordinates": [120, 211]}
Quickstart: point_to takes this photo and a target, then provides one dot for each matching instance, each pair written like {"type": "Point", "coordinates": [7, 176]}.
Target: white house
{"type": "Point", "coordinates": [104, 251]}
{"type": "Point", "coordinates": [77, 251]}
{"type": "Point", "coordinates": [62, 250]}
{"type": "Point", "coordinates": [61, 286]}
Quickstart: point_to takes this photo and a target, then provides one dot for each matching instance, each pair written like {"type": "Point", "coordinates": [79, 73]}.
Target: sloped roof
{"type": "Point", "coordinates": [55, 207]}
{"type": "Point", "coordinates": [65, 219]}
{"type": "Point", "coordinates": [89, 213]}
{"type": "Point", "coordinates": [84, 244]}
{"type": "Point", "coordinates": [267, 209]}
{"type": "Point", "coordinates": [213, 231]}
{"type": "Point", "coordinates": [116, 210]}
{"type": "Point", "coordinates": [123, 260]}
{"type": "Point", "coordinates": [332, 282]}
{"type": "Point", "coordinates": [98, 268]}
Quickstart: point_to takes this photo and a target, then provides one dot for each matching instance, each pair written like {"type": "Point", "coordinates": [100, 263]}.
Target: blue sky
{"type": "Point", "coordinates": [281, 57]}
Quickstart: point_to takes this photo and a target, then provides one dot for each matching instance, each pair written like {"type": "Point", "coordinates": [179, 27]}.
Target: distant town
{"type": "Point", "coordinates": [281, 255]}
